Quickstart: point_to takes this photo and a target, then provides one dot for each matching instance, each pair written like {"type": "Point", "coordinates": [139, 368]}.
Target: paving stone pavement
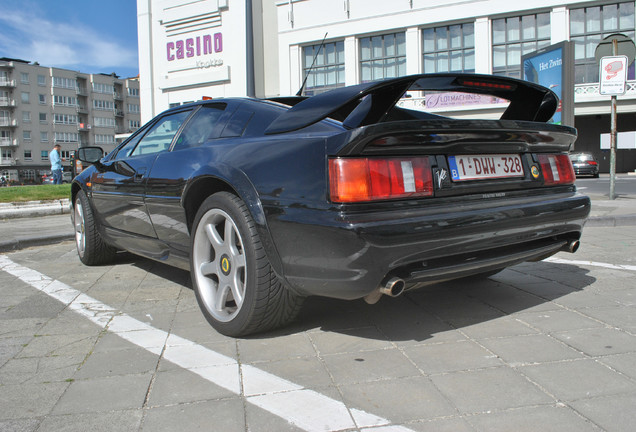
{"type": "Point", "coordinates": [547, 346]}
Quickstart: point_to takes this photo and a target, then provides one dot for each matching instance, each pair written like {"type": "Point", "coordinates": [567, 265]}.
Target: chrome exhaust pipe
{"type": "Point", "coordinates": [571, 246]}
{"type": "Point", "coordinates": [393, 287]}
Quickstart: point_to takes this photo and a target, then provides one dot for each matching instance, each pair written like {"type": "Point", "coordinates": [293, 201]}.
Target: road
{"type": "Point", "coordinates": [546, 346]}
{"type": "Point", "coordinates": [625, 185]}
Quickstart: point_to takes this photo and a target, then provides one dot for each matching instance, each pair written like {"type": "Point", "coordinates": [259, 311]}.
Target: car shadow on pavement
{"type": "Point", "coordinates": [421, 314]}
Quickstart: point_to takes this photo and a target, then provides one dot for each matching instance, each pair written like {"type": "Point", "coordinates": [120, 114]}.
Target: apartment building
{"type": "Point", "coordinates": [42, 106]}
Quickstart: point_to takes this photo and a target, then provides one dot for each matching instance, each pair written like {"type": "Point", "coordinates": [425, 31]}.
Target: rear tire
{"type": "Point", "coordinates": [91, 248]}
{"type": "Point", "coordinates": [234, 283]}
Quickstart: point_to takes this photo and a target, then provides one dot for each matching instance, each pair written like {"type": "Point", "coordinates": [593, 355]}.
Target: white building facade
{"type": "Point", "coordinates": [372, 39]}
{"type": "Point", "coordinates": [189, 49]}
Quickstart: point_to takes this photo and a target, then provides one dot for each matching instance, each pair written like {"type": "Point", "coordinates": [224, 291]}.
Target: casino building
{"type": "Point", "coordinates": [213, 48]}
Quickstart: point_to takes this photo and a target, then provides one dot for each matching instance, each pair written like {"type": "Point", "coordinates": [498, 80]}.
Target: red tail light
{"type": "Point", "coordinates": [366, 179]}
{"type": "Point", "coordinates": [557, 169]}
{"type": "Point", "coordinates": [592, 163]}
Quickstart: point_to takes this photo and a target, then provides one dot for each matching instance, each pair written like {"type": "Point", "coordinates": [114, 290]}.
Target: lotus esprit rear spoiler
{"type": "Point", "coordinates": [369, 103]}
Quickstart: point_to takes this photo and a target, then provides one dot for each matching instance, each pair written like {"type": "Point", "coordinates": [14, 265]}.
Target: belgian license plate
{"type": "Point", "coordinates": [479, 167]}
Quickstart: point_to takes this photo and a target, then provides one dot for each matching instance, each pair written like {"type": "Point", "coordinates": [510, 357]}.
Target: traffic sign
{"type": "Point", "coordinates": [613, 75]}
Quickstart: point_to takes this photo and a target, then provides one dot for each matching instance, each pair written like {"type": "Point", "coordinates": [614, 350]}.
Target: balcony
{"type": "Point", "coordinates": [6, 122]}
{"type": "Point", "coordinates": [9, 142]}
{"type": "Point", "coordinates": [81, 91]}
{"type": "Point", "coordinates": [590, 91]}
{"type": "Point", "coordinates": [82, 109]}
{"type": "Point", "coordinates": [117, 96]}
{"type": "Point", "coordinates": [7, 161]}
{"type": "Point", "coordinates": [7, 103]}
{"type": "Point", "coordinates": [6, 64]}
{"type": "Point", "coordinates": [119, 113]}
{"type": "Point", "coordinates": [7, 83]}
{"type": "Point", "coordinates": [83, 127]}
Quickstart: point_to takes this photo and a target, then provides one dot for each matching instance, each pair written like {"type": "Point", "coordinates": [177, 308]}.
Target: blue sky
{"type": "Point", "coordinates": [84, 35]}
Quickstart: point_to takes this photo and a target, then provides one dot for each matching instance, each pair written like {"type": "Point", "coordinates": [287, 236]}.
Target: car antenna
{"type": "Point", "coordinates": [302, 87]}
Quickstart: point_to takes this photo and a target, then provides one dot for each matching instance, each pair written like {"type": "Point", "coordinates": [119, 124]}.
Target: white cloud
{"type": "Point", "coordinates": [72, 46]}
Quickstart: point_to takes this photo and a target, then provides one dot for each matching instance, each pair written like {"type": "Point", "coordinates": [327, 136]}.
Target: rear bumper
{"type": "Point", "coordinates": [586, 170]}
{"type": "Point", "coordinates": [348, 254]}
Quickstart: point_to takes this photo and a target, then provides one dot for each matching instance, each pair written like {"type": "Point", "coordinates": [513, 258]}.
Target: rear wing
{"type": "Point", "coordinates": [371, 102]}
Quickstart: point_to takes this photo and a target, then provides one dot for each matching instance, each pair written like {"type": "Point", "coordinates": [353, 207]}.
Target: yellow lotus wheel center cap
{"type": "Point", "coordinates": [225, 265]}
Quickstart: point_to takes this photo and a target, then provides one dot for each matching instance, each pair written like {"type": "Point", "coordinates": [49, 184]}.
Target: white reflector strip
{"type": "Point", "coordinates": [408, 176]}
{"type": "Point", "coordinates": [555, 169]}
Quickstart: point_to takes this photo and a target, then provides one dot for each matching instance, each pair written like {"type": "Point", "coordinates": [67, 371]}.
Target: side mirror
{"type": "Point", "coordinates": [90, 154]}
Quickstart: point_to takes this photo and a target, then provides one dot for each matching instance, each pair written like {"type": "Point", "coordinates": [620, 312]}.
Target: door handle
{"type": "Point", "coordinates": [139, 174]}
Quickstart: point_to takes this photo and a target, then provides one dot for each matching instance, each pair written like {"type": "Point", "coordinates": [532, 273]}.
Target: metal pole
{"type": "Point", "coordinates": [250, 88]}
{"type": "Point", "coordinates": [612, 194]}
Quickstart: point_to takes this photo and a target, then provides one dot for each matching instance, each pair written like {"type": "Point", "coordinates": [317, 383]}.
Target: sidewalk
{"type": "Point", "coordinates": [38, 223]}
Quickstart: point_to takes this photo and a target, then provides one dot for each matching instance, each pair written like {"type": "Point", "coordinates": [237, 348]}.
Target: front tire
{"type": "Point", "coordinates": [234, 283]}
{"type": "Point", "coordinates": [91, 248]}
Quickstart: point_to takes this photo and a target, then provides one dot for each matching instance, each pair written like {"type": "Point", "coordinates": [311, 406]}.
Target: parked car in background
{"type": "Point", "coordinates": [67, 177]}
{"type": "Point", "coordinates": [584, 164]}
{"type": "Point", "coordinates": [344, 194]}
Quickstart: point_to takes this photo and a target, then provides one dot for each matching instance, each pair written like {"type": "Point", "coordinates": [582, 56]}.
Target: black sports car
{"type": "Point", "coordinates": [343, 194]}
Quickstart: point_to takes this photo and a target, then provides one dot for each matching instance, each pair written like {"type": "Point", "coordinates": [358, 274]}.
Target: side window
{"type": "Point", "coordinates": [201, 127]}
{"type": "Point", "coordinates": [160, 136]}
{"type": "Point", "coordinates": [127, 148]}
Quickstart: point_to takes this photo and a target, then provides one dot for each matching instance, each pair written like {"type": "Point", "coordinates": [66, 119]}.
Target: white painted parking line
{"type": "Point", "coordinates": [302, 407]}
{"type": "Point", "coordinates": [591, 264]}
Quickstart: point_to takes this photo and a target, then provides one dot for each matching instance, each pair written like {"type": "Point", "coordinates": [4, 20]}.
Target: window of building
{"type": "Point", "coordinates": [65, 100]}
{"type": "Point", "coordinates": [66, 137]}
{"type": "Point", "coordinates": [328, 68]}
{"type": "Point", "coordinates": [42, 99]}
{"type": "Point", "coordinates": [65, 154]}
{"type": "Point", "coordinates": [103, 88]}
{"type": "Point", "coordinates": [449, 48]}
{"type": "Point", "coordinates": [42, 117]}
{"type": "Point", "coordinates": [41, 80]}
{"type": "Point", "coordinates": [133, 108]}
{"type": "Point", "coordinates": [382, 56]}
{"type": "Point", "coordinates": [133, 124]}
{"type": "Point", "coordinates": [104, 122]}
{"type": "Point", "coordinates": [65, 119]}
{"type": "Point", "coordinates": [7, 153]}
{"type": "Point", "coordinates": [61, 82]}
{"type": "Point", "coordinates": [44, 155]}
{"type": "Point", "coordinates": [104, 139]}
{"type": "Point", "coordinates": [588, 26]}
{"type": "Point", "coordinates": [134, 92]}
{"type": "Point", "coordinates": [103, 105]}
{"type": "Point", "coordinates": [26, 116]}
{"type": "Point", "coordinates": [512, 37]}
{"type": "Point", "coordinates": [24, 77]}
{"type": "Point", "coordinates": [25, 97]}
{"type": "Point", "coordinates": [26, 135]}
{"type": "Point", "coordinates": [27, 155]}
{"type": "Point", "coordinates": [44, 137]}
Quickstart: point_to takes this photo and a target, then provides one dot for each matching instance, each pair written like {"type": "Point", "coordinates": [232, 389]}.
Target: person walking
{"type": "Point", "coordinates": [56, 164]}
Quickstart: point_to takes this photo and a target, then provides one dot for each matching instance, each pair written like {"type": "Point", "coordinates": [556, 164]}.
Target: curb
{"type": "Point", "coordinates": [18, 244]}
{"type": "Point", "coordinates": [34, 209]}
